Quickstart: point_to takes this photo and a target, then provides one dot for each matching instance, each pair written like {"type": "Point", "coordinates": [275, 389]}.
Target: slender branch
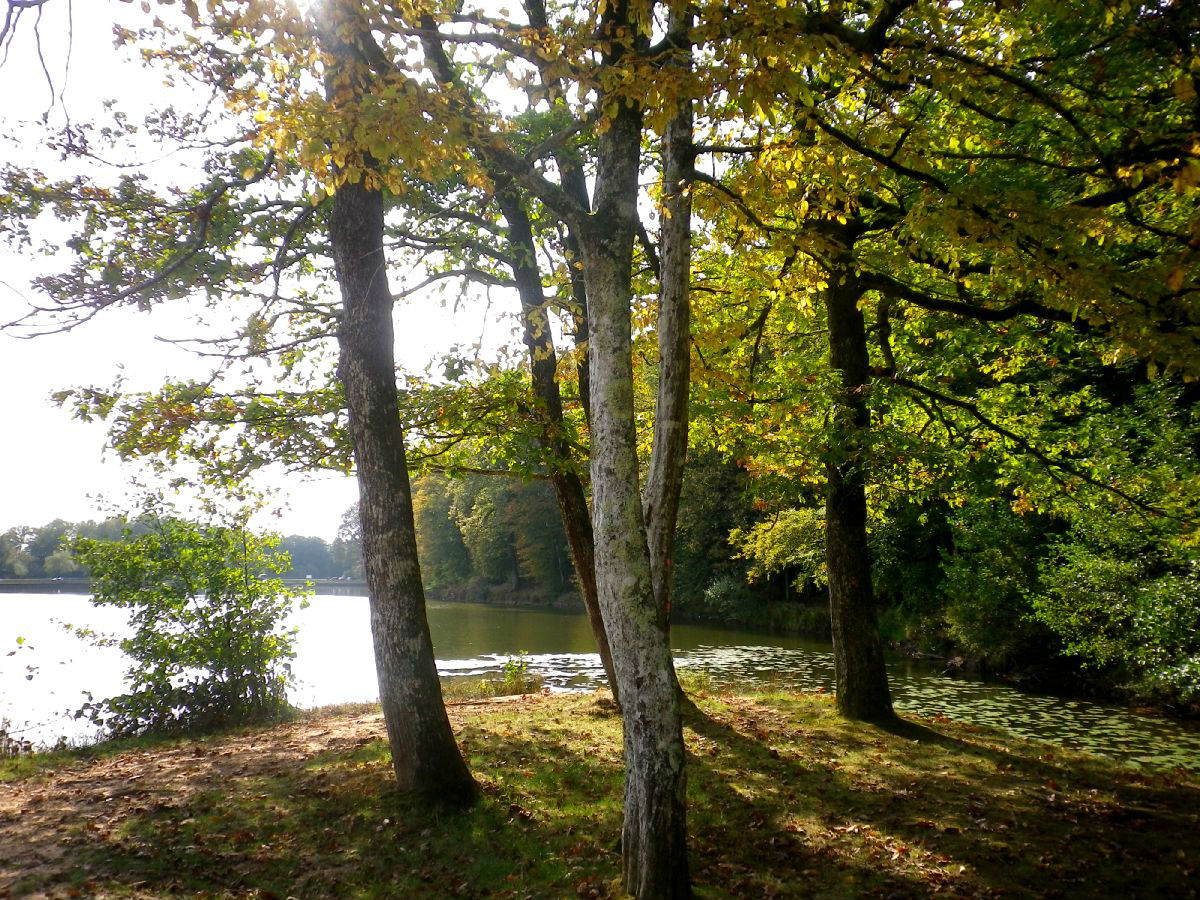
{"type": "Point", "coordinates": [739, 201]}
{"type": "Point", "coordinates": [466, 272]}
{"type": "Point", "coordinates": [728, 148]}
{"type": "Point", "coordinates": [199, 239]}
{"type": "Point", "coordinates": [870, 153]}
{"type": "Point", "coordinates": [1025, 445]}
{"type": "Point", "coordinates": [487, 146]}
{"type": "Point", "coordinates": [643, 237]}
{"type": "Point", "coordinates": [885, 284]}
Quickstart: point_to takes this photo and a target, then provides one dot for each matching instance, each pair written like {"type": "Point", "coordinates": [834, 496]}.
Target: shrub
{"type": "Point", "coordinates": [727, 597]}
{"type": "Point", "coordinates": [989, 581]}
{"type": "Point", "coordinates": [1118, 609]}
{"type": "Point", "coordinates": [206, 610]}
{"type": "Point", "coordinates": [515, 677]}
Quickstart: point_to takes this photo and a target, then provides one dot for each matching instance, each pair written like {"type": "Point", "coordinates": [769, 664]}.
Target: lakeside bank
{"type": "Point", "coordinates": [786, 799]}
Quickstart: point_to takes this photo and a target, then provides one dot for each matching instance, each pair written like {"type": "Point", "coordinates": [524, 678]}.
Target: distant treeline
{"type": "Point", "coordinates": [491, 530]}
{"type": "Point", "coordinates": [29, 552]}
{"type": "Point", "coordinates": [501, 535]}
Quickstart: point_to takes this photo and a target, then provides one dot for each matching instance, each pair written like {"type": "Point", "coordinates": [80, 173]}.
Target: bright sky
{"type": "Point", "coordinates": [52, 466]}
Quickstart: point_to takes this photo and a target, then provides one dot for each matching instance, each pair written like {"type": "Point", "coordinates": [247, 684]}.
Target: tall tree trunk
{"type": "Point", "coordinates": [543, 365]}
{"type": "Point", "coordinates": [653, 839]}
{"type": "Point", "coordinates": [575, 185]}
{"type": "Point", "coordinates": [664, 478]}
{"type": "Point", "coordinates": [862, 685]}
{"type": "Point", "coordinates": [538, 339]}
{"type": "Point", "coordinates": [654, 836]}
{"type": "Point", "coordinates": [425, 756]}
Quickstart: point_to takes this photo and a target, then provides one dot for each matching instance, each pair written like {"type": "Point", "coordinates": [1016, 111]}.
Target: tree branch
{"type": "Point", "coordinates": [885, 284]}
{"type": "Point", "coordinates": [1025, 445]}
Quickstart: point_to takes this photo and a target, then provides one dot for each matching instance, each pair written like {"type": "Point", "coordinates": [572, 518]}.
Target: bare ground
{"type": "Point", "coordinates": [37, 814]}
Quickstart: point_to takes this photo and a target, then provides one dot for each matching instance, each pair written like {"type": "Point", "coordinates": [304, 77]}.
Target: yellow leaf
{"type": "Point", "coordinates": [1188, 177]}
{"type": "Point", "coordinates": [1175, 279]}
{"type": "Point", "coordinates": [1185, 89]}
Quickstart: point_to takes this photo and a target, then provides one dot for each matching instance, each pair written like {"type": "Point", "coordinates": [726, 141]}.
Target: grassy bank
{"type": "Point", "coordinates": [786, 801]}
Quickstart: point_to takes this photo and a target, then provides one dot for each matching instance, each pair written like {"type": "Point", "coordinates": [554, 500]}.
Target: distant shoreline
{"type": "Point", "coordinates": [84, 585]}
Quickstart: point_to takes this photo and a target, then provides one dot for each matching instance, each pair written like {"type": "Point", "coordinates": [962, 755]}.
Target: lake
{"type": "Point", "coordinates": [46, 676]}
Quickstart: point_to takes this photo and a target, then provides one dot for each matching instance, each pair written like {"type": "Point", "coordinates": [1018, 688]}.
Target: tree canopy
{"type": "Point", "coordinates": [887, 257]}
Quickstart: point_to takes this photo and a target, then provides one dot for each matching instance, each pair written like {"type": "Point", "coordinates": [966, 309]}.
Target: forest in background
{"type": "Point", "coordinates": [1098, 606]}
{"type": "Point", "coordinates": [40, 552]}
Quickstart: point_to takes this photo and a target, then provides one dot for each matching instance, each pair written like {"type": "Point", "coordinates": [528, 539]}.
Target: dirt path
{"type": "Point", "coordinates": [38, 815]}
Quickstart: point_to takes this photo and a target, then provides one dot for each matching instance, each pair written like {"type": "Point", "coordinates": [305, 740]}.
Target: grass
{"type": "Point", "coordinates": [482, 687]}
{"type": "Point", "coordinates": [785, 800]}
{"type": "Point", "coordinates": [458, 689]}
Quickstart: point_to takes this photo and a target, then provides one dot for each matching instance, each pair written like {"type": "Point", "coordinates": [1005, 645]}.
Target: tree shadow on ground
{"type": "Point", "coordinates": [950, 809]}
{"type": "Point", "coordinates": [786, 800]}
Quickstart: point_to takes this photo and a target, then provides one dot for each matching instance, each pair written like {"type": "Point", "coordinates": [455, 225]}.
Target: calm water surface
{"type": "Point", "coordinates": [335, 664]}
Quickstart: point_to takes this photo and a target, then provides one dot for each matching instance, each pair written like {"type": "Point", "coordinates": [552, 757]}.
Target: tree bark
{"type": "Point", "coordinates": [543, 365]}
{"type": "Point", "coordinates": [575, 185]}
{"type": "Point", "coordinates": [425, 757]}
{"type": "Point", "coordinates": [862, 685]}
{"type": "Point", "coordinates": [653, 838]}
{"type": "Point", "coordinates": [664, 478]}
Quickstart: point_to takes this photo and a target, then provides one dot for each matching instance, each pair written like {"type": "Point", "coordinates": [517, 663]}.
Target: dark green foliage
{"type": "Point", "coordinates": [989, 578]}
{"type": "Point", "coordinates": [494, 527]}
{"type": "Point", "coordinates": [708, 581]}
{"type": "Point", "coordinates": [1126, 607]}
{"type": "Point", "coordinates": [907, 549]}
{"type": "Point", "coordinates": [206, 609]}
{"type": "Point", "coordinates": [541, 544]}
{"type": "Point", "coordinates": [727, 598]}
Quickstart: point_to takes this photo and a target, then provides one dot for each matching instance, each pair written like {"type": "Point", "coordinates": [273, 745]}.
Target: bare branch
{"type": "Point", "coordinates": [471, 273]}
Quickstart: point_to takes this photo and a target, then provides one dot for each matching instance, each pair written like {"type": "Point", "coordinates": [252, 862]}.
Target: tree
{"type": "Point", "coordinates": [964, 210]}
{"type": "Point", "coordinates": [207, 611]}
{"type": "Point", "coordinates": [445, 558]}
{"type": "Point", "coordinates": [358, 151]}
{"type": "Point", "coordinates": [926, 220]}
{"type": "Point", "coordinates": [346, 549]}
{"type": "Point", "coordinates": [425, 756]}
{"type": "Point", "coordinates": [193, 241]}
{"type": "Point", "coordinates": [631, 589]}
{"type": "Point", "coordinates": [310, 557]}
{"type": "Point", "coordinates": [15, 559]}
{"type": "Point", "coordinates": [503, 529]}
{"type": "Point", "coordinates": [480, 514]}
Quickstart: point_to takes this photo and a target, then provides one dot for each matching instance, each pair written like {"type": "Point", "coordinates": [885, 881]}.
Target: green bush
{"type": "Point", "coordinates": [1132, 612]}
{"type": "Point", "coordinates": [1166, 637]}
{"type": "Point", "coordinates": [207, 610]}
{"type": "Point", "coordinates": [728, 597]}
{"type": "Point", "coordinates": [989, 581]}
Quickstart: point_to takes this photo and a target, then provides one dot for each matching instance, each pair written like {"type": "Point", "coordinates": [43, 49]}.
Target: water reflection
{"type": "Point", "coordinates": [335, 664]}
